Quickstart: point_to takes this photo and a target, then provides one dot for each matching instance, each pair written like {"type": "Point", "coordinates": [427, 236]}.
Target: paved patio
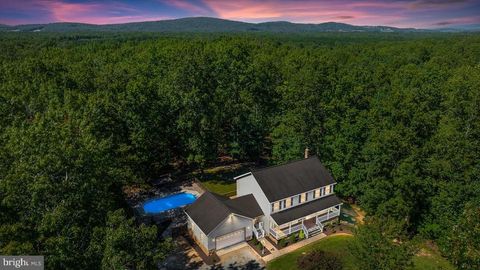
{"type": "Point", "coordinates": [240, 258]}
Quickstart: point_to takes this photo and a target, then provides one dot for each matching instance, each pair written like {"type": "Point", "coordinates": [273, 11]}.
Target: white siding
{"type": "Point", "coordinates": [231, 224]}
{"type": "Point", "coordinates": [198, 234]}
{"type": "Point", "coordinates": [248, 185]}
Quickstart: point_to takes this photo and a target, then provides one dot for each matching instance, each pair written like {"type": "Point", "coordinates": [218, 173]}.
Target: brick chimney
{"type": "Point", "coordinates": [307, 152]}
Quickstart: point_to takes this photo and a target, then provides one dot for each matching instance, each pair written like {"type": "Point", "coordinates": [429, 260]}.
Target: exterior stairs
{"type": "Point", "coordinates": [315, 231]}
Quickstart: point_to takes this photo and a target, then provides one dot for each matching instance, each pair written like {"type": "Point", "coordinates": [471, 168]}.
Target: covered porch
{"type": "Point", "coordinates": [308, 217]}
{"type": "Point", "coordinates": [309, 224]}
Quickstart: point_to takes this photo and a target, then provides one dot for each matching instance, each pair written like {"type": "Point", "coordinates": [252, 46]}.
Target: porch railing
{"type": "Point", "coordinates": [280, 233]}
{"type": "Point", "coordinates": [305, 230]}
{"type": "Point", "coordinates": [320, 225]}
{"type": "Point", "coordinates": [274, 233]}
{"type": "Point", "coordinates": [328, 215]}
{"type": "Point", "coordinates": [295, 228]}
{"type": "Point", "coordinates": [259, 232]}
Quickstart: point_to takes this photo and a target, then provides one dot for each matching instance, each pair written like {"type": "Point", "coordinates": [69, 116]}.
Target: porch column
{"type": "Point", "coordinates": [289, 227]}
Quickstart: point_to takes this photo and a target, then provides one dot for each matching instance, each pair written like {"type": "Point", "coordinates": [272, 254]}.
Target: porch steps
{"type": "Point", "coordinates": [314, 232]}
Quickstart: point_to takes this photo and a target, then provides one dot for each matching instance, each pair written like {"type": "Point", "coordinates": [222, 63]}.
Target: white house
{"type": "Point", "coordinates": [271, 202]}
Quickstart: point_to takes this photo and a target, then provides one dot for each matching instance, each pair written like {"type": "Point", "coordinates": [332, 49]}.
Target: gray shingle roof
{"type": "Point", "coordinates": [211, 209]}
{"type": "Point", "coordinates": [281, 181]}
{"type": "Point", "coordinates": [299, 211]}
{"type": "Point", "coordinates": [245, 206]}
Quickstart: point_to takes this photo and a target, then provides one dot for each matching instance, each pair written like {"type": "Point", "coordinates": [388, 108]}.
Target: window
{"type": "Point", "coordinates": [314, 194]}
{"type": "Point", "coordinates": [273, 208]}
{"type": "Point", "coordinates": [299, 199]}
{"type": "Point", "coordinates": [291, 200]}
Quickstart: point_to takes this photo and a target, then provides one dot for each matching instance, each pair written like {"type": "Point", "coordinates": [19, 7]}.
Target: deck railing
{"type": "Point", "coordinates": [328, 215]}
{"type": "Point", "coordinates": [259, 232]}
{"type": "Point", "coordinates": [305, 230]}
{"type": "Point", "coordinates": [278, 233]}
{"type": "Point", "coordinates": [274, 233]}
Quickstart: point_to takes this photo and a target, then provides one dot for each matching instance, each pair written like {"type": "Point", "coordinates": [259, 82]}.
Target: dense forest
{"type": "Point", "coordinates": [396, 118]}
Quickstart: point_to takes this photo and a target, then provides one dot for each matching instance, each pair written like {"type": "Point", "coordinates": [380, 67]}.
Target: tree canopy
{"type": "Point", "coordinates": [395, 118]}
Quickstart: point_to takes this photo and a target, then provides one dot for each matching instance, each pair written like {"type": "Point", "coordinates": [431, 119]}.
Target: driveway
{"type": "Point", "coordinates": [241, 259]}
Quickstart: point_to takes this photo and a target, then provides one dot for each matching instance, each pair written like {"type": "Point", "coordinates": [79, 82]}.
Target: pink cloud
{"type": "Point", "coordinates": [97, 13]}
{"type": "Point", "coordinates": [104, 12]}
{"type": "Point", "coordinates": [188, 6]}
{"type": "Point", "coordinates": [457, 21]}
{"type": "Point", "coordinates": [306, 11]}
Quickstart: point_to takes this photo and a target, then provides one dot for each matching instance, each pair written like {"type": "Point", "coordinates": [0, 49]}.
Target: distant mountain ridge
{"type": "Point", "coordinates": [205, 24]}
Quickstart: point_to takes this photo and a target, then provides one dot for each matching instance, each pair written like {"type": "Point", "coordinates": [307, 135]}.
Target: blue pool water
{"type": "Point", "coordinates": [159, 205]}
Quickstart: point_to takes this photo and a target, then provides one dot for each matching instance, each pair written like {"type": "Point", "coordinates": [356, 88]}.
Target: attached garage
{"type": "Point", "coordinates": [216, 222]}
{"type": "Point", "coordinates": [230, 239]}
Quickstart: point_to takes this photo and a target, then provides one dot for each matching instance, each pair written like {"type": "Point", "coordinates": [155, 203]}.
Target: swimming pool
{"type": "Point", "coordinates": [162, 204]}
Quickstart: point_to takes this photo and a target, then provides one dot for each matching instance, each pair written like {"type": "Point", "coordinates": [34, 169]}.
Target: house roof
{"type": "Point", "coordinates": [302, 210]}
{"type": "Point", "coordinates": [210, 209]}
{"type": "Point", "coordinates": [245, 206]}
{"type": "Point", "coordinates": [282, 181]}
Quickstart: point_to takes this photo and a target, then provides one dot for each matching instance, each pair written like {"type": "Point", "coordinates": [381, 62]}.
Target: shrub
{"type": "Point", "coordinates": [319, 260]}
{"type": "Point", "coordinates": [282, 242]}
{"type": "Point", "coordinates": [292, 239]}
{"type": "Point", "coordinates": [301, 235]}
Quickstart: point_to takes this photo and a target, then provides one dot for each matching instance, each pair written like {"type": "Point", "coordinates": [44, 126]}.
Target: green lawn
{"type": "Point", "coordinates": [335, 244]}
{"type": "Point", "coordinates": [428, 260]}
{"type": "Point", "coordinates": [220, 187]}
{"type": "Point", "coordinates": [220, 179]}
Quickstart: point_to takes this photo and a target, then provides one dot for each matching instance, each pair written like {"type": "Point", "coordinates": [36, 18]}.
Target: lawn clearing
{"type": "Point", "coordinates": [427, 259]}
{"type": "Point", "coordinates": [220, 187]}
{"type": "Point", "coordinates": [219, 179]}
{"type": "Point", "coordinates": [337, 244]}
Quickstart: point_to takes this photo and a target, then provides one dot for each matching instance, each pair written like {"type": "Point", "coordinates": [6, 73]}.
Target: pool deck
{"type": "Point", "coordinates": [193, 188]}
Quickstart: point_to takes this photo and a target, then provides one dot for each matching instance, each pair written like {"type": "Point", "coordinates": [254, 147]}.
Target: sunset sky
{"type": "Point", "coordinates": [399, 13]}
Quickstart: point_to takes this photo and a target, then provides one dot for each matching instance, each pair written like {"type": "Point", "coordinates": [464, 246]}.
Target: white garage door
{"type": "Point", "coordinates": [230, 239]}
